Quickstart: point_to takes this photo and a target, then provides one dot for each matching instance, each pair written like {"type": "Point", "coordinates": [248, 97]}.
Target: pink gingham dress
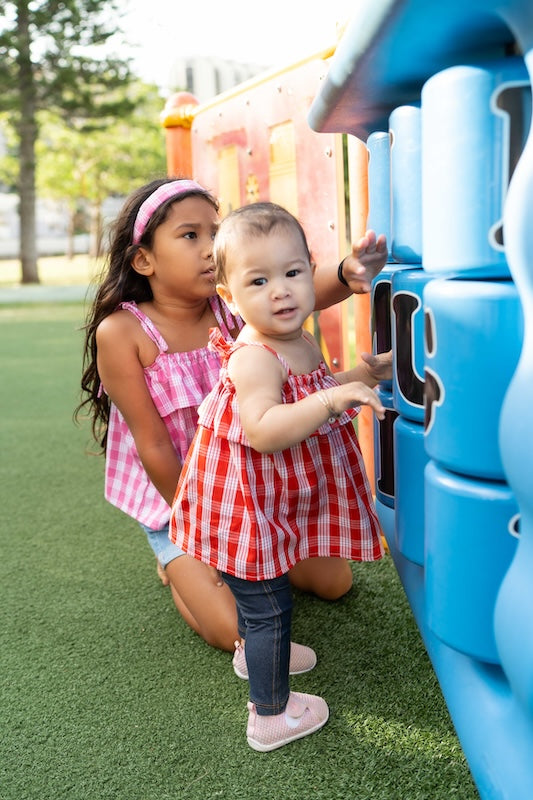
{"type": "Point", "coordinates": [255, 515]}
{"type": "Point", "coordinates": [178, 382]}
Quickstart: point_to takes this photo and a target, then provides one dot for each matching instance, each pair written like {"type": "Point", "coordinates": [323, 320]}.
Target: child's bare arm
{"type": "Point", "coordinates": [367, 259]}
{"type": "Point", "coordinates": [271, 425]}
{"type": "Point", "coordinates": [371, 371]}
{"type": "Point", "coordinates": [123, 377]}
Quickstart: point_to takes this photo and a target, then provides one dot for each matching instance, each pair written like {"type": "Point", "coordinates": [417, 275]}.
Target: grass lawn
{"type": "Point", "coordinates": [106, 694]}
{"type": "Point", "coordinates": [53, 271]}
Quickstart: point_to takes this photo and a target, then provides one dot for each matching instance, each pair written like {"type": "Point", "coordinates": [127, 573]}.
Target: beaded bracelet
{"type": "Point", "coordinates": [333, 415]}
{"type": "Point", "coordinates": [340, 276]}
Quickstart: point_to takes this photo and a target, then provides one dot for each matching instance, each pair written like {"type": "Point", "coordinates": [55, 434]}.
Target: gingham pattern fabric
{"type": "Point", "coordinates": [178, 382]}
{"type": "Point", "coordinates": [256, 515]}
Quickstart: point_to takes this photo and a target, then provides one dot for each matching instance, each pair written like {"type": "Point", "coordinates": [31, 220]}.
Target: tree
{"type": "Point", "coordinates": [83, 168]}
{"type": "Point", "coordinates": [48, 60]}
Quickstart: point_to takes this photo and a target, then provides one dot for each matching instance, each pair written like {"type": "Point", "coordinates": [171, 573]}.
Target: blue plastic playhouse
{"type": "Point", "coordinates": [440, 91]}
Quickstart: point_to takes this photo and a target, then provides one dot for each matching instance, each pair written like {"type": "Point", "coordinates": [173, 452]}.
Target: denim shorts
{"type": "Point", "coordinates": [163, 548]}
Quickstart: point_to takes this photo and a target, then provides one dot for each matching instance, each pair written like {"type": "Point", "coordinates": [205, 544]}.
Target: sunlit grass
{"type": "Point", "coordinates": [53, 271]}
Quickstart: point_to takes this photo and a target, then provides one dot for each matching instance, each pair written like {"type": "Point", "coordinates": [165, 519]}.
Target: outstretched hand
{"type": "Point", "coordinates": [358, 393]}
{"type": "Point", "coordinates": [379, 366]}
{"type": "Point", "coordinates": [367, 259]}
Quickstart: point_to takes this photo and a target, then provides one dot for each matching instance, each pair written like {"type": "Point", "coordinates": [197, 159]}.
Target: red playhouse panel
{"type": "Point", "coordinates": [254, 143]}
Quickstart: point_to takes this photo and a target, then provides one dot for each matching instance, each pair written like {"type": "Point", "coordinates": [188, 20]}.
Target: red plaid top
{"type": "Point", "coordinates": [255, 515]}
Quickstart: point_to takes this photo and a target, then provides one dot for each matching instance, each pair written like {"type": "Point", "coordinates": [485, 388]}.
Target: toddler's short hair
{"type": "Point", "coordinates": [256, 219]}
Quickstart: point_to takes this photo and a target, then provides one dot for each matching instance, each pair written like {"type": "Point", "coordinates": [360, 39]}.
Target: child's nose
{"type": "Point", "coordinates": [207, 248]}
{"type": "Point", "coordinates": [280, 288]}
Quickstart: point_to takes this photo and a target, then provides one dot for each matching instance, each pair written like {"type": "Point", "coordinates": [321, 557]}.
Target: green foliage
{"type": "Point", "coordinates": [71, 71]}
{"type": "Point", "coordinates": [53, 56]}
{"type": "Point", "coordinates": [8, 161]}
{"type": "Point", "coordinates": [80, 164]}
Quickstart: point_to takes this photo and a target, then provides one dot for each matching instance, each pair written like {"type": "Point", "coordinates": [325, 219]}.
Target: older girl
{"type": "Point", "coordinates": [147, 367]}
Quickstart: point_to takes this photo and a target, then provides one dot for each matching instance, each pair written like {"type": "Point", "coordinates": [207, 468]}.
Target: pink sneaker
{"type": "Point", "coordinates": [304, 714]}
{"type": "Point", "coordinates": [302, 659]}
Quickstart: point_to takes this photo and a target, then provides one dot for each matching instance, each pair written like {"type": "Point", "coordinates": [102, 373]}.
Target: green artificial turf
{"type": "Point", "coordinates": [105, 693]}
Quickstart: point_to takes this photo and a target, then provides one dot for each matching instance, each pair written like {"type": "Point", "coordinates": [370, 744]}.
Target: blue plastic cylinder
{"type": "Point", "coordinates": [470, 544]}
{"type": "Point", "coordinates": [406, 184]}
{"type": "Point", "coordinates": [514, 618]}
{"type": "Point", "coordinates": [379, 183]}
{"type": "Point", "coordinates": [467, 155]}
{"type": "Point", "coordinates": [408, 342]}
{"type": "Point", "coordinates": [410, 460]}
{"type": "Point", "coordinates": [474, 332]}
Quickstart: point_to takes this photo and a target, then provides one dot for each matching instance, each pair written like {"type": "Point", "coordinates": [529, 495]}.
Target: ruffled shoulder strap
{"type": "Point", "coordinates": [220, 345]}
{"type": "Point", "coordinates": [147, 325]}
{"type": "Point", "coordinates": [230, 324]}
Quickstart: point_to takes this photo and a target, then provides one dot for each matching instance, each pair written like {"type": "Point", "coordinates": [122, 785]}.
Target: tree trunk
{"type": "Point", "coordinates": [95, 237]}
{"type": "Point", "coordinates": [71, 233]}
{"type": "Point", "coordinates": [28, 135]}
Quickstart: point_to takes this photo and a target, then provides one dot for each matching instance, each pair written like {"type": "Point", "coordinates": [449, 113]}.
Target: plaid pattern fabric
{"type": "Point", "coordinates": [256, 515]}
{"type": "Point", "coordinates": [178, 382]}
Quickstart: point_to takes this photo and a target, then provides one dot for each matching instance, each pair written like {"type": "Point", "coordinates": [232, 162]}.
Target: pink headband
{"type": "Point", "coordinates": [156, 199]}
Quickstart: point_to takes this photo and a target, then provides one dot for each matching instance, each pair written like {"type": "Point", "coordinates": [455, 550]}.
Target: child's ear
{"type": "Point", "coordinates": [141, 263]}
{"type": "Point", "coordinates": [226, 295]}
{"type": "Point", "coordinates": [313, 266]}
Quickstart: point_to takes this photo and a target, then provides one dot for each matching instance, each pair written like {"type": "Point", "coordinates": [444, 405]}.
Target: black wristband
{"type": "Point", "coordinates": [340, 276]}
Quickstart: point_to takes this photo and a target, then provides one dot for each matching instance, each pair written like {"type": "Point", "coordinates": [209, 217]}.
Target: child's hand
{"type": "Point", "coordinates": [356, 393]}
{"type": "Point", "coordinates": [368, 258]}
{"type": "Point", "coordinates": [379, 366]}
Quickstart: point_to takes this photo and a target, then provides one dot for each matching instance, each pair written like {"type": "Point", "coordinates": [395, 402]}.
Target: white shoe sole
{"type": "Point", "coordinates": [266, 748]}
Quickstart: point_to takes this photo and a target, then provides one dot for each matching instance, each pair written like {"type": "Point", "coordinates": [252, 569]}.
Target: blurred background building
{"type": "Point", "coordinates": [206, 77]}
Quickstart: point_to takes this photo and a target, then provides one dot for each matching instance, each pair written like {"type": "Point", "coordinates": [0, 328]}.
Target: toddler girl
{"type": "Point", "coordinates": [275, 475]}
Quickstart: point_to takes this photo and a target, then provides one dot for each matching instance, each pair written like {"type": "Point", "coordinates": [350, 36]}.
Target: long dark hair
{"type": "Point", "coordinates": [119, 283]}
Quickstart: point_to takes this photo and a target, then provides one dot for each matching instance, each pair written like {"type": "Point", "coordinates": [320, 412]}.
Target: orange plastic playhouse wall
{"type": "Point", "coordinates": [254, 143]}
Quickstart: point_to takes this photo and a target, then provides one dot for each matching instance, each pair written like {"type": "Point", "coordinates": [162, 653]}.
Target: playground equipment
{"type": "Point", "coordinates": [418, 123]}
{"type": "Point", "coordinates": [447, 86]}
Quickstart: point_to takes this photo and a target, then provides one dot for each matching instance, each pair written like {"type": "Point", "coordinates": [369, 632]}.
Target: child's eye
{"type": "Point", "coordinates": [259, 281]}
{"type": "Point", "coordinates": [190, 235]}
{"type": "Point", "coordinates": [292, 273]}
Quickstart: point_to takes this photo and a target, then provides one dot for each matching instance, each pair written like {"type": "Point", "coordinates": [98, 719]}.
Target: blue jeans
{"type": "Point", "coordinates": [264, 610]}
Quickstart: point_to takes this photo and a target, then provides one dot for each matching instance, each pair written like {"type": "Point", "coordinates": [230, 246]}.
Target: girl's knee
{"type": "Point", "coordinates": [338, 586]}
{"type": "Point", "coordinates": [223, 636]}
{"type": "Point", "coordinates": [328, 578]}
